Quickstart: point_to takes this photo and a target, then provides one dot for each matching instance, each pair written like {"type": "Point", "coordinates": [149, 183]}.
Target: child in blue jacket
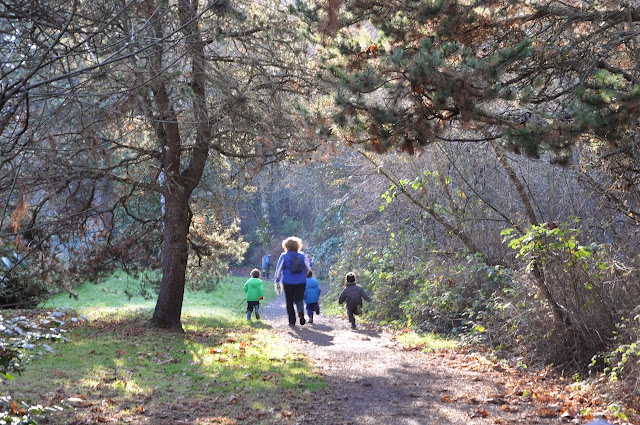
{"type": "Point", "coordinates": [312, 295]}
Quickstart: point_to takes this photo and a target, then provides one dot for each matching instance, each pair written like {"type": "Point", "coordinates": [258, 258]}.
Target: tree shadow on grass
{"type": "Point", "coordinates": [258, 324]}
{"type": "Point", "coordinates": [121, 370]}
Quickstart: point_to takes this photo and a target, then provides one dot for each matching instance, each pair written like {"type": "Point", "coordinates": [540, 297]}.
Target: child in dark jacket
{"type": "Point", "coordinates": [353, 294]}
{"type": "Point", "coordinates": [255, 292]}
{"type": "Point", "coordinates": [312, 296]}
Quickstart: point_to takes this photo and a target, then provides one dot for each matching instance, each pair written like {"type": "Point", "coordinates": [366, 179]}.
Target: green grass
{"type": "Point", "coordinates": [425, 342]}
{"type": "Point", "coordinates": [121, 293]}
{"type": "Point", "coordinates": [329, 305]}
{"type": "Point", "coordinates": [233, 367]}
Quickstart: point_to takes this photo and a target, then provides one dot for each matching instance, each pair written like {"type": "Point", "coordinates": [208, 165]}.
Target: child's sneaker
{"type": "Point", "coordinates": [257, 315]}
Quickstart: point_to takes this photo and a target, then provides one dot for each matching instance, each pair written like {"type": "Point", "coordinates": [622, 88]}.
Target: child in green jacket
{"type": "Point", "coordinates": [255, 292]}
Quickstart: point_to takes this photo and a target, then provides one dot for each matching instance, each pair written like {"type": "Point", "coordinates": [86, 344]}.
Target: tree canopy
{"type": "Point", "coordinates": [538, 76]}
{"type": "Point", "coordinates": [114, 114]}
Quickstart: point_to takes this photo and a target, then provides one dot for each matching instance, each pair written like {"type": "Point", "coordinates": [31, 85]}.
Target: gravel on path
{"type": "Point", "coordinates": [374, 380]}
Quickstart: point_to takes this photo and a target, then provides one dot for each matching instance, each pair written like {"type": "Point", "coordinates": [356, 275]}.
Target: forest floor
{"type": "Point", "coordinates": [364, 376]}
{"type": "Point", "coordinates": [373, 379]}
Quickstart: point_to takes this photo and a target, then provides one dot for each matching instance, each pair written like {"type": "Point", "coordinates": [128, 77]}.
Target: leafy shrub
{"type": "Point", "coordinates": [621, 365]}
{"type": "Point", "coordinates": [418, 286]}
{"type": "Point", "coordinates": [291, 226]}
{"type": "Point", "coordinates": [212, 247]}
{"type": "Point", "coordinates": [571, 294]}
{"type": "Point", "coordinates": [11, 413]}
{"type": "Point", "coordinates": [326, 255]}
{"type": "Point", "coordinates": [455, 296]}
{"type": "Point", "coordinates": [21, 334]}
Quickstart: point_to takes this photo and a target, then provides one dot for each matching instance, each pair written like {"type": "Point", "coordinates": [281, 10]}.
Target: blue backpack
{"type": "Point", "coordinates": [297, 264]}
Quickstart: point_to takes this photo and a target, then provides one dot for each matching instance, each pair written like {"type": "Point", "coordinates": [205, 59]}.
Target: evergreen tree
{"type": "Point", "coordinates": [537, 76]}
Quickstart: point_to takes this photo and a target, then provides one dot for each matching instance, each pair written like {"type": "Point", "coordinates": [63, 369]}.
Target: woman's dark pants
{"type": "Point", "coordinates": [294, 294]}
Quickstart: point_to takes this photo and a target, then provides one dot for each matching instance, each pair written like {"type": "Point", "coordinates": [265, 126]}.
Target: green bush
{"type": "Point", "coordinates": [571, 294]}
{"type": "Point", "coordinates": [20, 335]}
{"type": "Point", "coordinates": [325, 255]}
{"type": "Point", "coordinates": [421, 287]}
{"type": "Point", "coordinates": [621, 364]}
{"type": "Point", "coordinates": [291, 226]}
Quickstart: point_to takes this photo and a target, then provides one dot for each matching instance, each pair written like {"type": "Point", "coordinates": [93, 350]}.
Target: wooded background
{"type": "Point", "coordinates": [475, 163]}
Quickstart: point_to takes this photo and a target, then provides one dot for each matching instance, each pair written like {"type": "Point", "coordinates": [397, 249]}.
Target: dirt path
{"type": "Point", "coordinates": [373, 380]}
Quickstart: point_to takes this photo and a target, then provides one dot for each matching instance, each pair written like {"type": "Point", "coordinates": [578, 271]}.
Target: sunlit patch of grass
{"type": "Point", "coordinates": [330, 306]}
{"type": "Point", "coordinates": [117, 291]}
{"type": "Point", "coordinates": [120, 294]}
{"type": "Point", "coordinates": [114, 364]}
{"type": "Point", "coordinates": [425, 342]}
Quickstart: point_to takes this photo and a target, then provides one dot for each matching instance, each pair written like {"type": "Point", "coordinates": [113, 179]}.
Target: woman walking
{"type": "Point", "coordinates": [291, 270]}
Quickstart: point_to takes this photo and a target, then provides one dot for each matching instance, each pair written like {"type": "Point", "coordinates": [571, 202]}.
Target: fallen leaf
{"type": "Point", "coordinates": [480, 413]}
{"type": "Point", "coordinates": [270, 375]}
{"type": "Point", "coordinates": [448, 399]}
{"type": "Point", "coordinates": [547, 412]}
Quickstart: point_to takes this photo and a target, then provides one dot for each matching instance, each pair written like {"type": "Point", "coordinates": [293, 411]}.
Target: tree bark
{"type": "Point", "coordinates": [177, 220]}
{"type": "Point", "coordinates": [179, 184]}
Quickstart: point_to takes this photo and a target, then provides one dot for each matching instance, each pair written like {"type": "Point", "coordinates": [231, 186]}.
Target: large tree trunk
{"type": "Point", "coordinates": [178, 184]}
{"type": "Point", "coordinates": [174, 263]}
